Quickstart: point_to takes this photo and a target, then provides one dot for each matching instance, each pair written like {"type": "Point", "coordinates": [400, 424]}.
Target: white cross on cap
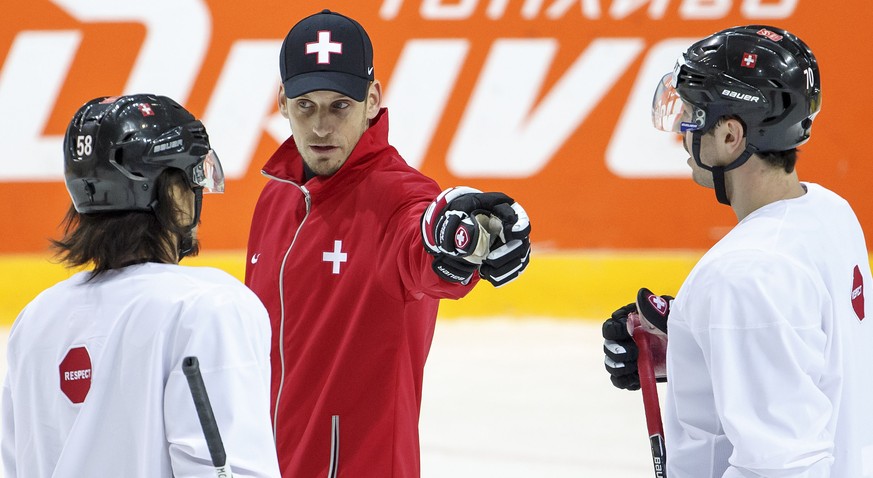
{"type": "Point", "coordinates": [324, 47]}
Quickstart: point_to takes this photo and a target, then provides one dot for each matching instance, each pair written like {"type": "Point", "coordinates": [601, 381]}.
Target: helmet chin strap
{"type": "Point", "coordinates": [187, 244]}
{"type": "Point", "coordinates": [718, 171]}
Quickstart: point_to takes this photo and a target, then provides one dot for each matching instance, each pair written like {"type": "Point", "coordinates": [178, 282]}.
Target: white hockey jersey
{"type": "Point", "coordinates": [95, 384]}
{"type": "Point", "coordinates": [770, 356]}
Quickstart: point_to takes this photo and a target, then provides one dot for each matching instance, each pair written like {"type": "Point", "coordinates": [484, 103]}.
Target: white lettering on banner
{"type": "Point", "coordinates": [636, 148]}
{"type": "Point", "coordinates": [456, 10]}
{"type": "Point", "coordinates": [591, 9]}
{"type": "Point", "coordinates": [176, 41]}
{"type": "Point", "coordinates": [170, 24]}
{"type": "Point", "coordinates": [623, 8]}
{"type": "Point", "coordinates": [704, 9]}
{"type": "Point", "coordinates": [531, 9]}
{"type": "Point", "coordinates": [241, 103]}
{"type": "Point", "coordinates": [424, 65]}
{"type": "Point", "coordinates": [500, 121]}
{"type": "Point", "coordinates": [278, 128]}
{"type": "Point", "coordinates": [177, 38]}
{"type": "Point", "coordinates": [772, 10]}
{"type": "Point", "coordinates": [390, 9]}
{"type": "Point", "coordinates": [29, 89]}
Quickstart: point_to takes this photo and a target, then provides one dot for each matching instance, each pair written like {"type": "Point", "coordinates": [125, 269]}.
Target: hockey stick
{"type": "Point", "coordinates": [648, 345]}
{"type": "Point", "coordinates": [191, 368]}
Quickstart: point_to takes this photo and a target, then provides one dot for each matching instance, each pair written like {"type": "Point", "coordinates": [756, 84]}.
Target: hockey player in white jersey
{"type": "Point", "coordinates": [770, 351]}
{"type": "Point", "coordinates": [95, 384]}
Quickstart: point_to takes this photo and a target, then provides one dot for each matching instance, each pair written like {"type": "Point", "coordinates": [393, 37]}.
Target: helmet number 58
{"type": "Point", "coordinates": [83, 145]}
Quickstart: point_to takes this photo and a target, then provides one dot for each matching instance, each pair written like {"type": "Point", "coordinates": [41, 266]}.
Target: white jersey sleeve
{"type": "Point", "coordinates": [231, 339]}
{"type": "Point", "coordinates": [7, 429]}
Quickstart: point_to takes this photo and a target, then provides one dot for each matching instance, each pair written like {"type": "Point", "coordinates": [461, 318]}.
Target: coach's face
{"type": "Point", "coordinates": [327, 125]}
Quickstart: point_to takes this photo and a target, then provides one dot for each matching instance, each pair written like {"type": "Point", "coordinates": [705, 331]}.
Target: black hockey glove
{"type": "Point", "coordinates": [618, 345]}
{"type": "Point", "coordinates": [464, 228]}
{"type": "Point", "coordinates": [453, 269]}
{"type": "Point", "coordinates": [510, 250]}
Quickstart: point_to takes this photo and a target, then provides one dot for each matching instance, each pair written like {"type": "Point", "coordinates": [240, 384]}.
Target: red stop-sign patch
{"type": "Point", "coordinates": [858, 293]}
{"type": "Point", "coordinates": [75, 372]}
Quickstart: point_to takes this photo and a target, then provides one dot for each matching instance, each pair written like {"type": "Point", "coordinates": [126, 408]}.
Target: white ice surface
{"type": "Point", "coordinates": [527, 398]}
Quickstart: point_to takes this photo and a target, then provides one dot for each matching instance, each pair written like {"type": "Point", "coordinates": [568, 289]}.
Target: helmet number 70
{"type": "Point", "coordinates": [810, 78]}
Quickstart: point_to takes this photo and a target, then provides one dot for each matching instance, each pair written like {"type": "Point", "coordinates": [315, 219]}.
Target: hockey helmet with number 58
{"type": "Point", "coordinates": [116, 147]}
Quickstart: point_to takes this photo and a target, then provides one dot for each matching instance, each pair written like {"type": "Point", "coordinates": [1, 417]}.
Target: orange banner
{"type": "Point", "coordinates": [547, 100]}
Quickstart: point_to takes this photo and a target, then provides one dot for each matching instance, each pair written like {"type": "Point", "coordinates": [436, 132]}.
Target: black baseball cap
{"type": "Point", "coordinates": [327, 51]}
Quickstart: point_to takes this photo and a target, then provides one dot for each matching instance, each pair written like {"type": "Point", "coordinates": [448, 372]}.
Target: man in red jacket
{"type": "Point", "coordinates": [350, 250]}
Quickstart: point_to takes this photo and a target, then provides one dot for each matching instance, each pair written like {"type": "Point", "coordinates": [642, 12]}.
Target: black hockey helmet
{"type": "Point", "coordinates": [766, 76]}
{"type": "Point", "coordinates": [763, 75]}
{"type": "Point", "coordinates": [116, 147]}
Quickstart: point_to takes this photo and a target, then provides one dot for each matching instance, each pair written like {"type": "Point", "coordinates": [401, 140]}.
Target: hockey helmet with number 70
{"type": "Point", "coordinates": [764, 75]}
{"type": "Point", "coordinates": [116, 147]}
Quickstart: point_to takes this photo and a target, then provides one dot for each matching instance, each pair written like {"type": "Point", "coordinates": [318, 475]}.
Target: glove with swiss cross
{"type": "Point", "coordinates": [464, 228]}
{"type": "Point", "coordinates": [619, 347]}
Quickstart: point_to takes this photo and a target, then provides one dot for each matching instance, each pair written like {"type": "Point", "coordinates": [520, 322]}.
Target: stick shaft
{"type": "Point", "coordinates": [652, 407]}
{"type": "Point", "coordinates": [191, 368]}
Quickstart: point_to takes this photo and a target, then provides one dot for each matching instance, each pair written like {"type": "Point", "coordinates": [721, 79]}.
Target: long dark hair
{"type": "Point", "coordinates": [112, 240]}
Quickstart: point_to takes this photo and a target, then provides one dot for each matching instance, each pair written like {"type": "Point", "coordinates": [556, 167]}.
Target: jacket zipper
{"type": "Point", "coordinates": [333, 468]}
{"type": "Point", "coordinates": [308, 199]}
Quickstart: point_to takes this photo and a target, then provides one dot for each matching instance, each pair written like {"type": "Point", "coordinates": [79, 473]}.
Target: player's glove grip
{"type": "Point", "coordinates": [510, 249]}
{"type": "Point", "coordinates": [619, 348]}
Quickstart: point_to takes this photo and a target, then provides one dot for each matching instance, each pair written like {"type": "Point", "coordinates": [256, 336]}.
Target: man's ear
{"type": "Point", "coordinates": [283, 101]}
{"type": "Point", "coordinates": [374, 99]}
{"type": "Point", "coordinates": [734, 138]}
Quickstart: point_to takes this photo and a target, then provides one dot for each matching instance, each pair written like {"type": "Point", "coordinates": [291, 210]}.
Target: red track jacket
{"type": "Point", "coordinates": [339, 264]}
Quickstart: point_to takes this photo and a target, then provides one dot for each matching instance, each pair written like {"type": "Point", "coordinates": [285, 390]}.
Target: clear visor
{"type": "Point", "coordinates": [670, 112]}
{"type": "Point", "coordinates": [209, 175]}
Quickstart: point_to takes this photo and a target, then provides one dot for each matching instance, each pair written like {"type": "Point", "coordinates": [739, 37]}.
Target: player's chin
{"type": "Point", "coordinates": [327, 167]}
{"type": "Point", "coordinates": [702, 180]}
